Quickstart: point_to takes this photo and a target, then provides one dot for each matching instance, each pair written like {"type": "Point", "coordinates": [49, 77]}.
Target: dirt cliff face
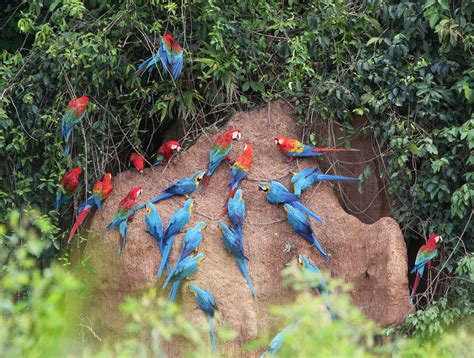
{"type": "Point", "coordinates": [372, 257]}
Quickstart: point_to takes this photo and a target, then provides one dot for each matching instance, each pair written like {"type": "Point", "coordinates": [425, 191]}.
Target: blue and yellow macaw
{"type": "Point", "coordinates": [155, 227]}
{"type": "Point", "coordinates": [236, 211]}
{"type": "Point", "coordinates": [234, 244]}
{"type": "Point", "coordinates": [277, 193]}
{"type": "Point", "coordinates": [300, 223]}
{"type": "Point", "coordinates": [186, 268]}
{"type": "Point", "coordinates": [185, 187]}
{"type": "Point", "coordinates": [322, 287]}
{"type": "Point", "coordinates": [207, 304]}
{"type": "Point", "coordinates": [277, 341]}
{"type": "Point", "coordinates": [307, 177]}
{"type": "Point", "coordinates": [177, 222]}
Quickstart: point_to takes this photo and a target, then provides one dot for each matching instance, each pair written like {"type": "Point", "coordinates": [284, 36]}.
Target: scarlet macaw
{"type": "Point", "coordinates": [426, 253]}
{"type": "Point", "coordinates": [138, 162]}
{"type": "Point", "coordinates": [170, 54]}
{"type": "Point", "coordinates": [277, 193]}
{"type": "Point", "coordinates": [300, 223]}
{"type": "Point", "coordinates": [307, 177]}
{"type": "Point", "coordinates": [207, 304]}
{"type": "Point", "coordinates": [166, 150]}
{"type": "Point", "coordinates": [220, 151]}
{"type": "Point", "coordinates": [74, 113]}
{"type": "Point", "coordinates": [69, 183]}
{"type": "Point", "coordinates": [186, 268]}
{"type": "Point", "coordinates": [277, 341]}
{"type": "Point", "coordinates": [294, 148]}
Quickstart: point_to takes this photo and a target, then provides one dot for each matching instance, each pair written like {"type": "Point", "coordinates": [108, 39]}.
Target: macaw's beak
{"type": "Point", "coordinates": [261, 188]}
{"type": "Point", "coordinates": [179, 149]}
{"type": "Point", "coordinates": [141, 172]}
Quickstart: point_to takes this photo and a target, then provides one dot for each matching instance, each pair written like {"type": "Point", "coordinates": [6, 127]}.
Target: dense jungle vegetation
{"type": "Point", "coordinates": [406, 65]}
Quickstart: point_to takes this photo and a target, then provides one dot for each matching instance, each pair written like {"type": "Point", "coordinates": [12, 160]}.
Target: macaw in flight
{"type": "Point", "coordinates": [207, 304]}
{"type": "Point", "coordinates": [307, 177]}
{"type": "Point", "coordinates": [166, 151]}
{"type": "Point", "coordinates": [240, 169]}
{"type": "Point", "coordinates": [300, 223]}
{"type": "Point", "coordinates": [169, 53]}
{"type": "Point", "coordinates": [277, 341]}
{"type": "Point", "coordinates": [293, 148]}
{"type": "Point", "coordinates": [69, 183]}
{"type": "Point", "coordinates": [277, 193]}
{"type": "Point", "coordinates": [234, 244]}
{"type": "Point", "coordinates": [100, 192]}
{"type": "Point", "coordinates": [177, 222]}
{"type": "Point", "coordinates": [185, 187]}
{"type": "Point", "coordinates": [137, 161]}
{"type": "Point", "coordinates": [322, 288]}
{"type": "Point", "coordinates": [124, 215]}
{"type": "Point", "coordinates": [186, 268]}
{"type": "Point", "coordinates": [75, 111]}
{"type": "Point", "coordinates": [426, 253]}
{"type": "Point", "coordinates": [219, 151]}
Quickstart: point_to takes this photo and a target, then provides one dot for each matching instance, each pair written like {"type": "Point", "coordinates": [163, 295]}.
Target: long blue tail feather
{"type": "Point", "coordinates": [212, 335]}
{"type": "Point", "coordinates": [318, 246]}
{"type": "Point", "coordinates": [243, 268]}
{"type": "Point", "coordinates": [166, 254]}
{"type": "Point", "coordinates": [303, 208]}
{"type": "Point", "coordinates": [174, 291]}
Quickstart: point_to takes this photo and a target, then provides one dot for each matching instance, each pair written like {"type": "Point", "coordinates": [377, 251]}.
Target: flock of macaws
{"type": "Point", "coordinates": [170, 55]}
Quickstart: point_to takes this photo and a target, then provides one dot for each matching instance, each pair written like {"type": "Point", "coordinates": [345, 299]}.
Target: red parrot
{"type": "Point", "coordinates": [69, 183]}
{"type": "Point", "coordinates": [101, 191]}
{"type": "Point", "coordinates": [166, 150]}
{"type": "Point", "coordinates": [138, 161]}
{"type": "Point", "coordinates": [74, 113]}
{"type": "Point", "coordinates": [240, 169]}
{"type": "Point", "coordinates": [219, 151]}
{"type": "Point", "coordinates": [294, 148]}
{"type": "Point", "coordinates": [426, 253]}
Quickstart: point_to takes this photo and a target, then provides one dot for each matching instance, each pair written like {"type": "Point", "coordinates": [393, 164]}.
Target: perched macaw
{"type": "Point", "coordinates": [74, 113]}
{"type": "Point", "coordinates": [307, 177]}
{"type": "Point", "coordinates": [277, 193]}
{"type": "Point", "coordinates": [234, 244]}
{"type": "Point", "coordinates": [240, 169]}
{"type": "Point", "coordinates": [207, 304]}
{"type": "Point", "coordinates": [155, 227]}
{"type": "Point", "coordinates": [426, 253]}
{"type": "Point", "coordinates": [170, 54]}
{"type": "Point", "coordinates": [185, 186]}
{"type": "Point", "coordinates": [69, 183]}
{"type": "Point", "coordinates": [219, 151]}
{"type": "Point", "coordinates": [236, 211]}
{"type": "Point", "coordinates": [124, 214]}
{"type": "Point", "coordinates": [277, 341]}
{"type": "Point", "coordinates": [100, 192]}
{"type": "Point", "coordinates": [138, 162]}
{"type": "Point", "coordinates": [177, 222]}
{"type": "Point", "coordinates": [322, 288]}
{"type": "Point", "coordinates": [294, 148]}
{"type": "Point", "coordinates": [300, 223]}
{"type": "Point", "coordinates": [186, 268]}
{"type": "Point", "coordinates": [166, 151]}
{"type": "Point", "coordinates": [192, 239]}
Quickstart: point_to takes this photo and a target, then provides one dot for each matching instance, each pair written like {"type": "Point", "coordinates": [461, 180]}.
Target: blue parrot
{"type": "Point", "coordinates": [277, 193]}
{"type": "Point", "coordinates": [277, 341]}
{"type": "Point", "coordinates": [322, 288]}
{"type": "Point", "coordinates": [185, 186]}
{"type": "Point", "coordinates": [307, 177]}
{"type": "Point", "coordinates": [233, 242]}
{"type": "Point", "coordinates": [186, 268]}
{"type": "Point", "coordinates": [177, 222]}
{"type": "Point", "coordinates": [207, 304]}
{"type": "Point", "coordinates": [300, 223]}
{"type": "Point", "coordinates": [155, 227]}
{"type": "Point", "coordinates": [192, 239]}
{"type": "Point", "coordinates": [236, 211]}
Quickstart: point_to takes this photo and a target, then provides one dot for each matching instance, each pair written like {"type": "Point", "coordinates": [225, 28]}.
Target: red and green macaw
{"type": "Point", "coordinates": [69, 183]}
{"type": "Point", "coordinates": [294, 148]}
{"type": "Point", "coordinates": [100, 192]}
{"type": "Point", "coordinates": [170, 54]}
{"type": "Point", "coordinates": [219, 151]}
{"type": "Point", "coordinates": [426, 253]}
{"type": "Point", "coordinates": [240, 169]}
{"type": "Point", "coordinates": [166, 151]}
{"type": "Point", "coordinates": [74, 113]}
{"type": "Point", "coordinates": [138, 162]}
{"type": "Point", "coordinates": [124, 214]}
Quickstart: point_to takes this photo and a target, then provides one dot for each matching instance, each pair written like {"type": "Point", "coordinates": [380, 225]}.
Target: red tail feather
{"type": "Point", "coordinates": [415, 285]}
{"type": "Point", "coordinates": [231, 195]}
{"type": "Point", "coordinates": [205, 182]}
{"type": "Point", "coordinates": [78, 222]}
{"type": "Point", "coordinates": [333, 150]}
